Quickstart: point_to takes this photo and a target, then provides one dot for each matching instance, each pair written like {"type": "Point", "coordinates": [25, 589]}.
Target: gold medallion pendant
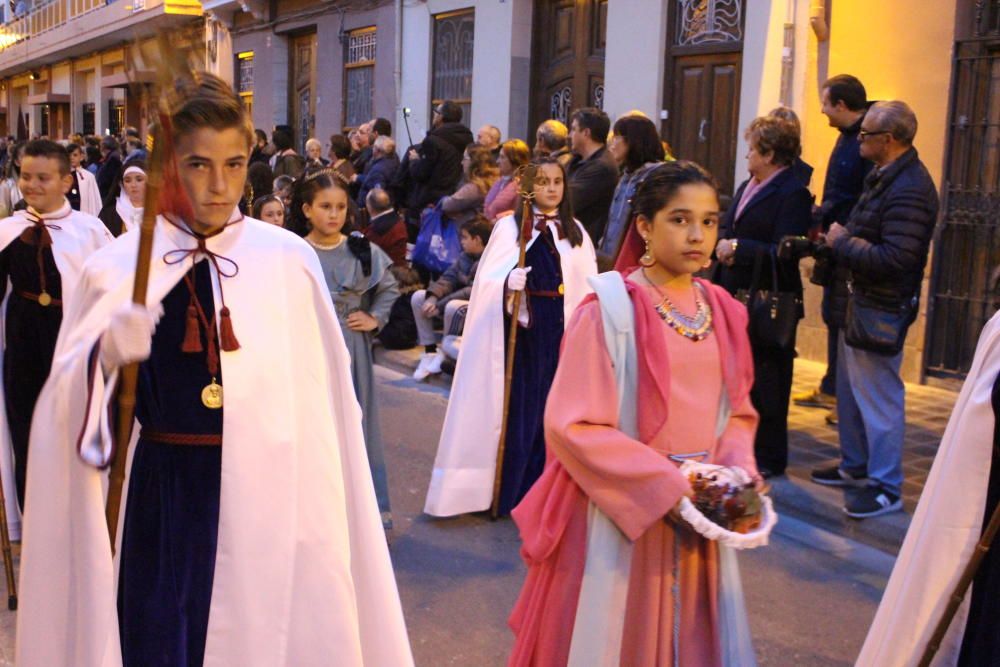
{"type": "Point", "coordinates": [211, 395]}
{"type": "Point", "coordinates": [562, 288]}
{"type": "Point", "coordinates": [44, 299]}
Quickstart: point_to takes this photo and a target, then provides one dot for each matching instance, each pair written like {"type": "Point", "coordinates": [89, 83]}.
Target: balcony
{"type": "Point", "coordinates": [60, 29]}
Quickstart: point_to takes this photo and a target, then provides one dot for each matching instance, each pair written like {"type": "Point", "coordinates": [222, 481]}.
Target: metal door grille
{"type": "Point", "coordinates": [967, 247]}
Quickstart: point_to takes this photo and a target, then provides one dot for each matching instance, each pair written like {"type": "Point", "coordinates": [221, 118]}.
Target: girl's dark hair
{"type": "Point", "coordinates": [569, 226]}
{"type": "Point", "coordinates": [304, 192]}
{"type": "Point", "coordinates": [260, 180]}
{"type": "Point", "coordinates": [643, 141]}
{"type": "Point", "coordinates": [260, 202]}
{"type": "Point", "coordinates": [663, 182]}
{"type": "Point", "coordinates": [340, 146]}
{"type": "Point", "coordinates": [116, 187]}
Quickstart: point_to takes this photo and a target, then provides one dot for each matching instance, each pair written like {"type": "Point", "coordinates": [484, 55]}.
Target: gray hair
{"type": "Point", "coordinates": [896, 118]}
{"type": "Point", "coordinates": [385, 144]}
{"type": "Point", "coordinates": [553, 133]}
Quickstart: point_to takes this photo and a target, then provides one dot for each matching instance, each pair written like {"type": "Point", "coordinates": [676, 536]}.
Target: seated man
{"type": "Point", "coordinates": [385, 228]}
{"type": "Point", "coordinates": [445, 296]}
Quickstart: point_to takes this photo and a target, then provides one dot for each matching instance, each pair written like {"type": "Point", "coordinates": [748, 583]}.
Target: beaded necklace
{"type": "Point", "coordinates": [695, 328]}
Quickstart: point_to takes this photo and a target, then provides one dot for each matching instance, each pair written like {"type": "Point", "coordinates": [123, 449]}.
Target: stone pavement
{"type": "Point", "coordinates": [812, 442]}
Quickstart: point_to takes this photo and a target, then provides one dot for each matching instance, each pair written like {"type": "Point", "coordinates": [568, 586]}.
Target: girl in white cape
{"type": "Point", "coordinates": [560, 257]}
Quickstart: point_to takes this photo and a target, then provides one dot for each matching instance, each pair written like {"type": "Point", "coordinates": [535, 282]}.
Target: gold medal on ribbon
{"type": "Point", "coordinates": [44, 299]}
{"type": "Point", "coordinates": [211, 395]}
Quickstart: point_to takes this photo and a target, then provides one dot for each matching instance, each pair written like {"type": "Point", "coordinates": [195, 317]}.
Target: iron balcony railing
{"type": "Point", "coordinates": [51, 15]}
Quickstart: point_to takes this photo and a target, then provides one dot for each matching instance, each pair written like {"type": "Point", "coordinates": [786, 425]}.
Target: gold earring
{"type": "Point", "coordinates": [647, 259]}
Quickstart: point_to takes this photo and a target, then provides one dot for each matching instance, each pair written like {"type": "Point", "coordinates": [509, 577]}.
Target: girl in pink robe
{"type": "Point", "coordinates": [634, 482]}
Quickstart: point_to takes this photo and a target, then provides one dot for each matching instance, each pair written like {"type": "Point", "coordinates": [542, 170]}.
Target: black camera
{"type": "Point", "coordinates": [794, 248]}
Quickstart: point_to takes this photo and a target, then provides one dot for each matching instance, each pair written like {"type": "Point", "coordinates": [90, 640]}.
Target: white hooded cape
{"type": "Point", "coordinates": [90, 195]}
{"type": "Point", "coordinates": [302, 573]}
{"type": "Point", "coordinates": [462, 480]}
{"type": "Point", "coordinates": [945, 528]}
{"type": "Point", "coordinates": [78, 236]}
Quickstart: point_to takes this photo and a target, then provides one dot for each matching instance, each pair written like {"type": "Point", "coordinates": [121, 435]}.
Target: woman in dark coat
{"type": "Point", "coordinates": [771, 204]}
{"type": "Point", "coordinates": [123, 206]}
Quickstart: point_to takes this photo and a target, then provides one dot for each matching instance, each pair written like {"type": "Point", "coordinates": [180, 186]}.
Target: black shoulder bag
{"type": "Point", "coordinates": [875, 325]}
{"type": "Point", "coordinates": [774, 315]}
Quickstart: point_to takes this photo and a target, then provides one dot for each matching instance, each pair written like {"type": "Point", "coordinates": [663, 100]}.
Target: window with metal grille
{"type": "Point", "coordinates": [452, 73]}
{"type": "Point", "coordinates": [359, 77]}
{"type": "Point", "coordinates": [244, 78]}
{"type": "Point", "coordinates": [89, 113]}
{"type": "Point", "coordinates": [116, 116]}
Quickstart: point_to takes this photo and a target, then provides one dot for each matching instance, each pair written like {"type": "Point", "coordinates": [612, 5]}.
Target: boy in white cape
{"type": "Point", "coordinates": [249, 534]}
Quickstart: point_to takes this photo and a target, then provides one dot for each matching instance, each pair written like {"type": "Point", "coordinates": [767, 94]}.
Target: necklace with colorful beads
{"type": "Point", "coordinates": [695, 328]}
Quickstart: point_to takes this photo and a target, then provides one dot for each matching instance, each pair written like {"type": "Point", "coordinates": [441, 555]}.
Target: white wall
{"type": "Point", "coordinates": [760, 87]}
{"type": "Point", "coordinates": [500, 74]}
{"type": "Point", "coordinates": [635, 57]}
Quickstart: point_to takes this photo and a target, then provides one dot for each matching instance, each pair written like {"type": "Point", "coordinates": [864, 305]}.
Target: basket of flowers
{"type": "Point", "coordinates": [726, 506]}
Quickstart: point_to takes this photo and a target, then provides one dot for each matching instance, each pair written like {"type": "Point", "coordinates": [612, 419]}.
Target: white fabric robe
{"type": "Point", "coordinates": [302, 572]}
{"type": "Point", "coordinates": [945, 528]}
{"type": "Point", "coordinates": [90, 195]}
{"type": "Point", "coordinates": [79, 236]}
{"type": "Point", "coordinates": [462, 480]}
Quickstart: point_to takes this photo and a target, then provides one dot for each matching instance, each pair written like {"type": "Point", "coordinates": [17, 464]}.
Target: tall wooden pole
{"type": "Point", "coordinates": [955, 601]}
{"type": "Point", "coordinates": [171, 64]}
{"type": "Point", "coordinates": [527, 192]}
{"type": "Point", "coordinates": [8, 556]}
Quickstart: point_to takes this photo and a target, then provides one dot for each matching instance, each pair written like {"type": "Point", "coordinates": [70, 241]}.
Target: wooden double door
{"type": "Point", "coordinates": [302, 89]}
{"type": "Point", "coordinates": [568, 58]}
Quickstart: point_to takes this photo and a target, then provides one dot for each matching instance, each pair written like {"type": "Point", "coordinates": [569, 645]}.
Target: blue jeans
{"type": "Point", "coordinates": [870, 409]}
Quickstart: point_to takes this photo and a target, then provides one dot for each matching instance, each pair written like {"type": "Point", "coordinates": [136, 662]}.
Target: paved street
{"type": "Point", "coordinates": [811, 594]}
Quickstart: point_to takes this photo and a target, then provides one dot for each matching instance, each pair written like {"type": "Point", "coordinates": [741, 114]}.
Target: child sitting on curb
{"type": "Point", "coordinates": [447, 294]}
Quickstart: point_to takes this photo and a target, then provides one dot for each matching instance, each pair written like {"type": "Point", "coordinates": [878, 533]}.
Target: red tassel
{"type": "Point", "coordinates": [227, 338]}
{"type": "Point", "coordinates": [192, 337]}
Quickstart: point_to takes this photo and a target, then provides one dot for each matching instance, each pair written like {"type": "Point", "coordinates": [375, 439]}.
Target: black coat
{"type": "Point", "coordinates": [107, 173]}
{"type": "Point", "coordinates": [890, 233]}
{"type": "Point", "coordinates": [781, 208]}
{"type": "Point", "coordinates": [592, 184]}
{"type": "Point", "coordinates": [845, 178]}
{"type": "Point", "coordinates": [439, 168]}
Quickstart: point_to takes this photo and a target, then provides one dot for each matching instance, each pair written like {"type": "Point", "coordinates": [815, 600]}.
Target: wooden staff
{"type": "Point", "coordinates": [8, 557]}
{"type": "Point", "coordinates": [527, 192]}
{"type": "Point", "coordinates": [171, 64]}
{"type": "Point", "coordinates": [955, 601]}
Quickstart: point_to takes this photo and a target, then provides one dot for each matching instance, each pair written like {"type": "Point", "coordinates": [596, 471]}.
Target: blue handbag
{"type": "Point", "coordinates": [437, 245]}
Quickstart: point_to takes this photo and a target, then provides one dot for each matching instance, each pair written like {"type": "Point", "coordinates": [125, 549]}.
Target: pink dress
{"type": "Point", "coordinates": [633, 482]}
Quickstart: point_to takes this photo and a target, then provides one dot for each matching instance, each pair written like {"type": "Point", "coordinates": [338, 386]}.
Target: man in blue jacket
{"type": "Point", "coordinates": [882, 252]}
{"type": "Point", "coordinates": [844, 102]}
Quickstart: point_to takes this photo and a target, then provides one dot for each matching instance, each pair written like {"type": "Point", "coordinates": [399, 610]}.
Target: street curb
{"type": "Point", "coordinates": [822, 506]}
{"type": "Point", "coordinates": [794, 496]}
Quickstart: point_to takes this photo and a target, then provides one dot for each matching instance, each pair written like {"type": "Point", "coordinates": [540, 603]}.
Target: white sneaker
{"type": "Point", "coordinates": [430, 364]}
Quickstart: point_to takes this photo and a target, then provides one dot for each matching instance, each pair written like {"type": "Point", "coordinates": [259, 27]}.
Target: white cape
{"type": "Point", "coordinates": [945, 528]}
{"type": "Point", "coordinates": [462, 480]}
{"type": "Point", "coordinates": [90, 195]}
{"type": "Point", "coordinates": [78, 236]}
{"type": "Point", "coordinates": [302, 573]}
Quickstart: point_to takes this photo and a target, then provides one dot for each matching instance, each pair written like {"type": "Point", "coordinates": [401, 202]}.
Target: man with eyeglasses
{"type": "Point", "coordinates": [844, 102]}
{"type": "Point", "coordinates": [880, 254]}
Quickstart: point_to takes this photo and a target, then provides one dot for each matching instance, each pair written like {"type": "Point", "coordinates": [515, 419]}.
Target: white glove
{"type": "Point", "coordinates": [518, 278]}
{"type": "Point", "coordinates": [129, 336]}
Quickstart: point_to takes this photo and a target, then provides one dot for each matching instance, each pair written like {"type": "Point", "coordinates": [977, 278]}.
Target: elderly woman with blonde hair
{"type": "Point", "coordinates": [771, 204]}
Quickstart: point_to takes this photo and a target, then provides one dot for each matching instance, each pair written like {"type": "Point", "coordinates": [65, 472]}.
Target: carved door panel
{"type": "Point", "coordinates": [303, 89]}
{"type": "Point", "coordinates": [568, 58]}
{"type": "Point", "coordinates": [704, 118]}
{"type": "Point", "coordinates": [702, 90]}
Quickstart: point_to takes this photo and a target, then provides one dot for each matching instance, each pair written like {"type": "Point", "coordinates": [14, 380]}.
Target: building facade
{"type": "Point", "coordinates": [702, 69]}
